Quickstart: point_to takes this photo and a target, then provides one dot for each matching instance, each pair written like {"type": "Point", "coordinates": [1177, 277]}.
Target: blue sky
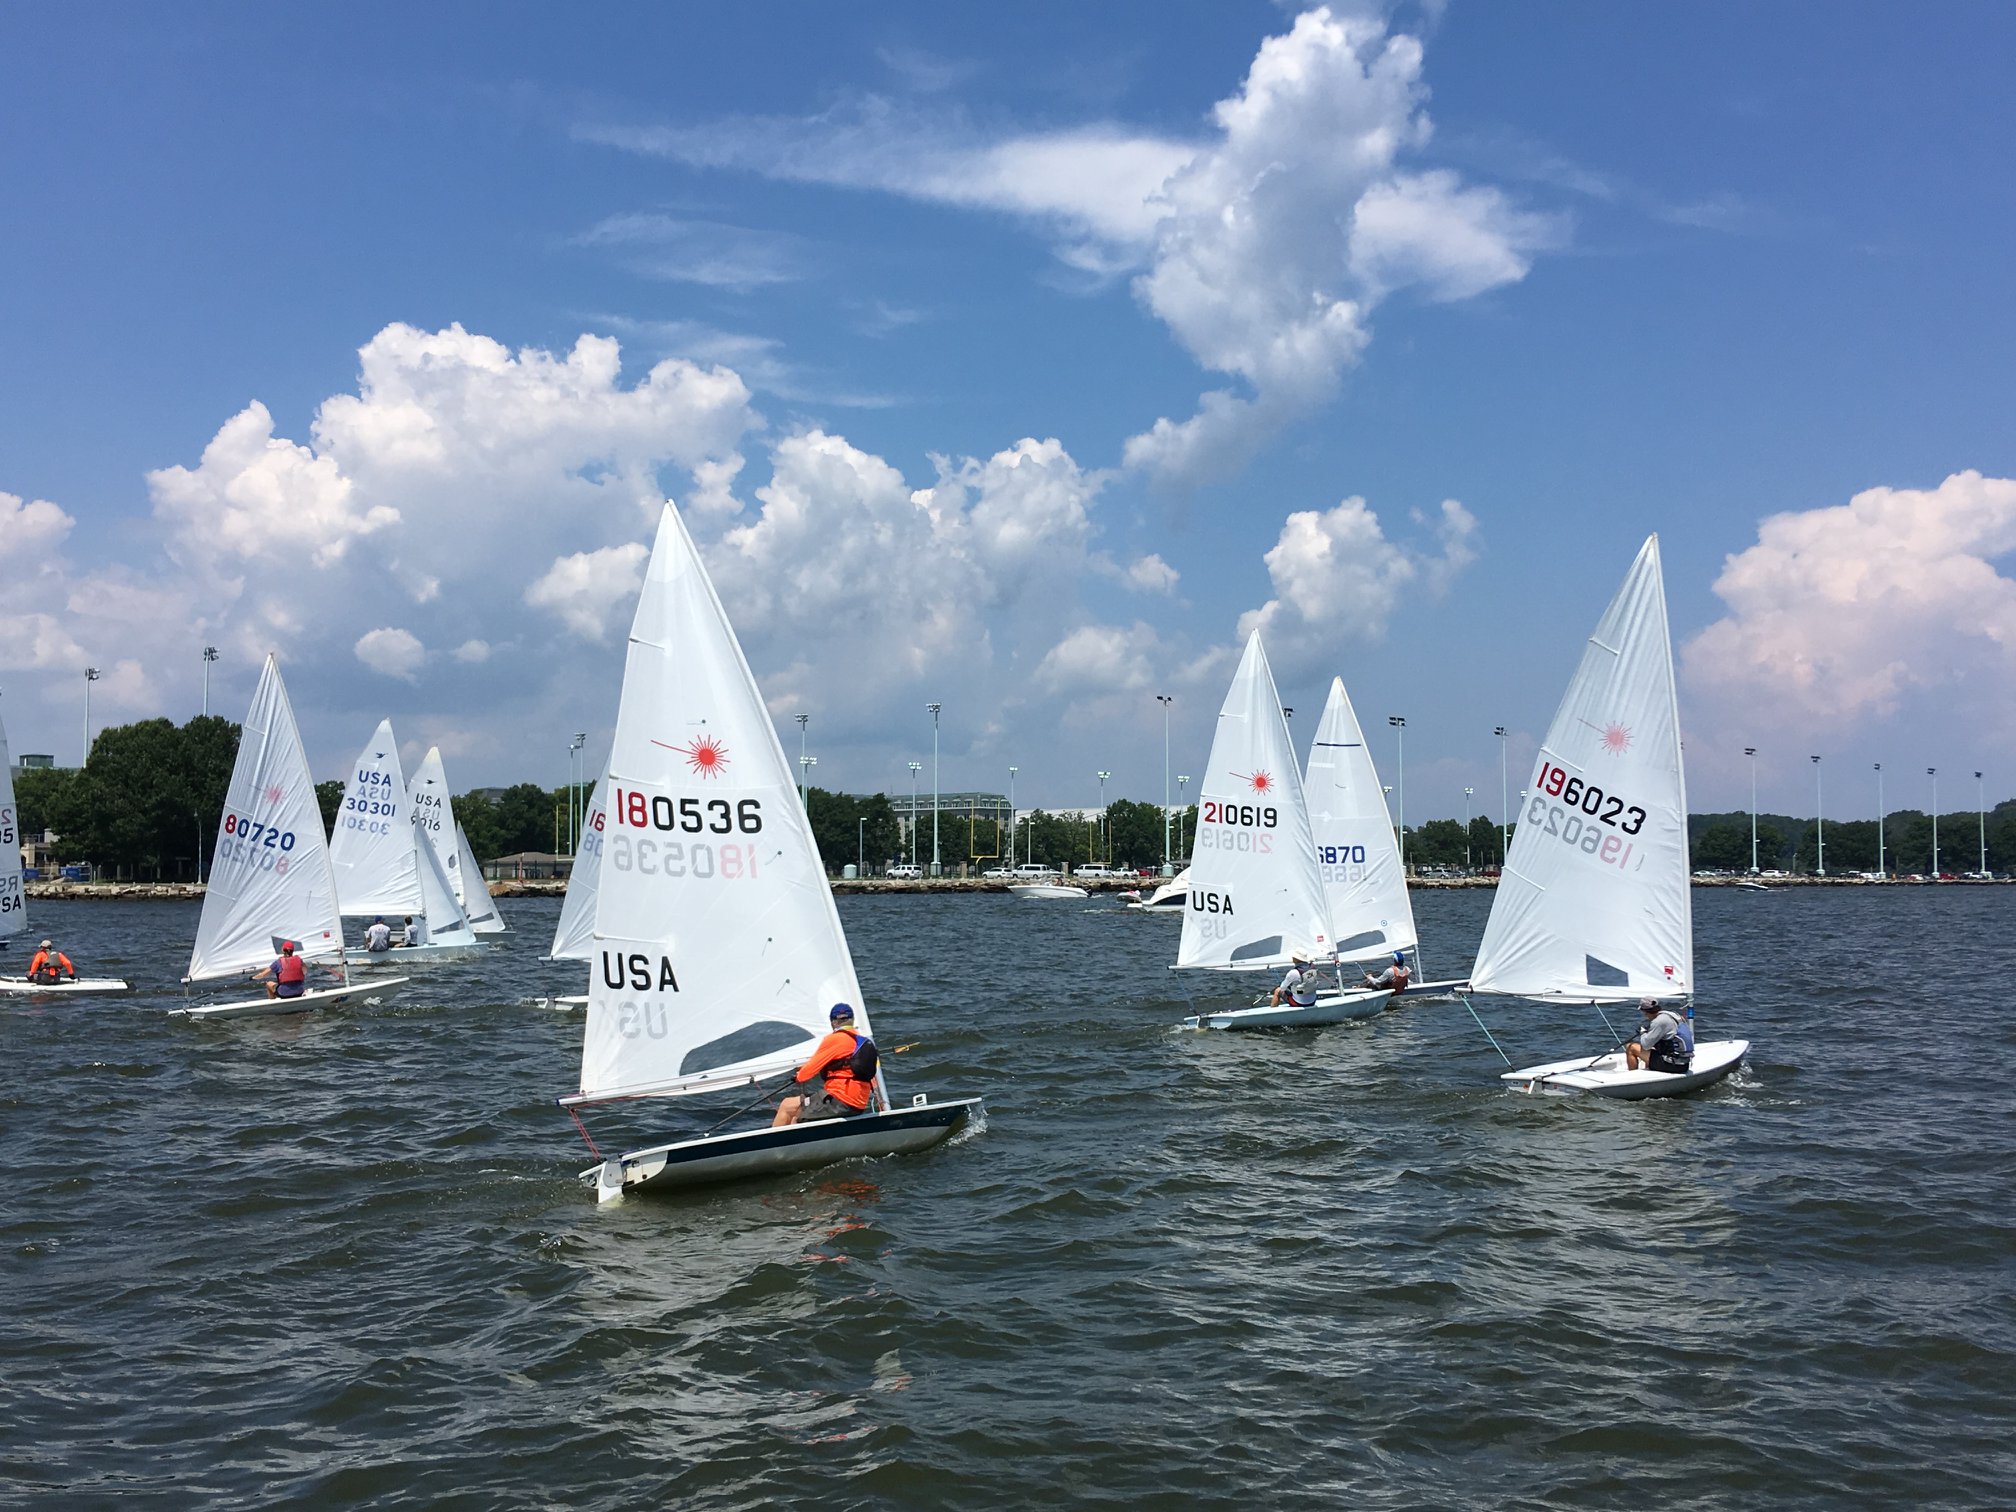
{"type": "Point", "coordinates": [918, 312]}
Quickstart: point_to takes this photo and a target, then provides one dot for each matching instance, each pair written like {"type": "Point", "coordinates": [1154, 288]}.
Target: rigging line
{"type": "Point", "coordinates": [585, 1139]}
{"type": "Point", "coordinates": [1487, 1033]}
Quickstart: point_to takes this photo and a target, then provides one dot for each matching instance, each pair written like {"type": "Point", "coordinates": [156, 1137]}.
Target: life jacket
{"type": "Point", "coordinates": [844, 1077]}
{"type": "Point", "coordinates": [1303, 993]}
{"type": "Point", "coordinates": [1673, 1052]}
{"type": "Point", "coordinates": [292, 969]}
{"type": "Point", "coordinates": [50, 968]}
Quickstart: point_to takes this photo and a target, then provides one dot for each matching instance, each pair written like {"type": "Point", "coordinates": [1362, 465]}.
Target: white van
{"type": "Point", "coordinates": [905, 873]}
{"type": "Point", "coordinates": [1026, 873]}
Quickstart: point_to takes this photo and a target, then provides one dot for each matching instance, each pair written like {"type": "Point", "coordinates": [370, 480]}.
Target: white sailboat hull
{"type": "Point", "coordinates": [1335, 1008]}
{"type": "Point", "coordinates": [402, 956]}
{"type": "Point", "coordinates": [770, 1152]}
{"type": "Point", "coordinates": [1040, 890]}
{"type": "Point", "coordinates": [1607, 1075]}
{"type": "Point", "coordinates": [369, 992]}
{"type": "Point", "coordinates": [21, 984]}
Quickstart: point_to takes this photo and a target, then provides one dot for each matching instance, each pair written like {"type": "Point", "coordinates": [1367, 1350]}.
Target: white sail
{"type": "Point", "coordinates": [1595, 903]}
{"type": "Point", "coordinates": [13, 902]}
{"type": "Point", "coordinates": [717, 948]}
{"type": "Point", "coordinates": [574, 938]}
{"type": "Point", "coordinates": [436, 815]}
{"type": "Point", "coordinates": [372, 845]}
{"type": "Point", "coordinates": [477, 904]}
{"type": "Point", "coordinates": [446, 924]}
{"type": "Point", "coordinates": [1256, 896]}
{"type": "Point", "coordinates": [270, 874]}
{"type": "Point", "coordinates": [1370, 912]}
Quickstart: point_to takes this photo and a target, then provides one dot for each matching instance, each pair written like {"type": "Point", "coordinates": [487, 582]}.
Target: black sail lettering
{"type": "Point", "coordinates": [665, 977]}
{"type": "Point", "coordinates": [612, 972]}
{"type": "Point", "coordinates": [640, 973]}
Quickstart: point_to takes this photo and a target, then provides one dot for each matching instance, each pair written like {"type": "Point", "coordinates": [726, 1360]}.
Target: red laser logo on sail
{"type": "Point", "coordinates": [1260, 782]}
{"type": "Point", "coordinates": [275, 793]}
{"type": "Point", "coordinates": [706, 756]}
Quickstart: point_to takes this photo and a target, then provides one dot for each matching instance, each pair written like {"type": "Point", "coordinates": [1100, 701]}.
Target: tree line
{"type": "Point", "coordinates": [148, 804]}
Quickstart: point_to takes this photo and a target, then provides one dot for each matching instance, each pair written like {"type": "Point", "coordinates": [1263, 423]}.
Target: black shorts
{"type": "Point", "coordinates": [823, 1104]}
{"type": "Point", "coordinates": [1666, 1063]}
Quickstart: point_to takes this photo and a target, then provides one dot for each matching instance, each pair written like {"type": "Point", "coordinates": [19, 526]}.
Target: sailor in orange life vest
{"type": "Point", "coordinates": [843, 1093]}
{"type": "Point", "coordinates": [287, 977]}
{"type": "Point", "coordinates": [51, 965]}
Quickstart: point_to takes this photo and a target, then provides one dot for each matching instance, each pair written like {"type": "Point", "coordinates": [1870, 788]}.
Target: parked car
{"type": "Point", "coordinates": [998, 872]}
{"type": "Point", "coordinates": [905, 873]}
{"type": "Point", "coordinates": [1093, 869]}
{"type": "Point", "coordinates": [1026, 872]}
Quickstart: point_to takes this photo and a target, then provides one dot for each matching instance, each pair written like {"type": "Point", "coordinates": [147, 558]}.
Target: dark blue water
{"type": "Point", "coordinates": [341, 1259]}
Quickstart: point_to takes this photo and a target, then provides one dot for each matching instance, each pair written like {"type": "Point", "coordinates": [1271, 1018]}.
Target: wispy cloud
{"type": "Point", "coordinates": [713, 253]}
{"type": "Point", "coordinates": [759, 360]}
{"type": "Point", "coordinates": [926, 72]}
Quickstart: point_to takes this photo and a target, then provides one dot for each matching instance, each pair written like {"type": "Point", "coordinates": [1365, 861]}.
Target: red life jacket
{"type": "Point", "coordinates": [292, 969]}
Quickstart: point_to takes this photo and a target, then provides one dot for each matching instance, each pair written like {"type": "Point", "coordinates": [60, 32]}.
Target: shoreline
{"type": "Point", "coordinates": [172, 891]}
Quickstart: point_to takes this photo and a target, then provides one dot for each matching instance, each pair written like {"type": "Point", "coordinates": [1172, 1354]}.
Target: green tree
{"type": "Point", "coordinates": [329, 798]}
{"type": "Point", "coordinates": [40, 795]}
{"type": "Point", "coordinates": [478, 817]}
{"type": "Point", "coordinates": [1439, 842]}
{"type": "Point", "coordinates": [1723, 846]}
{"type": "Point", "coordinates": [1134, 832]}
{"type": "Point", "coordinates": [1484, 843]}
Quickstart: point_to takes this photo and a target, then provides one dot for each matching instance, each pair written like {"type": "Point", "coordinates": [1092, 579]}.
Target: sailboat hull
{"type": "Point", "coordinates": [402, 956]}
{"type": "Point", "coordinates": [770, 1152]}
{"type": "Point", "coordinates": [1338, 1008]}
{"type": "Point", "coordinates": [1607, 1075]}
{"type": "Point", "coordinates": [21, 984]}
{"type": "Point", "coordinates": [369, 992]}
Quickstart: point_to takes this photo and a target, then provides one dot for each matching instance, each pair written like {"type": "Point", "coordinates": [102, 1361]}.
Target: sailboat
{"type": "Point", "coordinates": [434, 813]}
{"type": "Point", "coordinates": [1257, 892]}
{"type": "Point", "coordinates": [574, 936]}
{"type": "Point", "coordinates": [1595, 904]}
{"type": "Point", "coordinates": [14, 898]}
{"type": "Point", "coordinates": [1356, 847]}
{"type": "Point", "coordinates": [1171, 897]}
{"type": "Point", "coordinates": [718, 951]}
{"type": "Point", "coordinates": [385, 866]}
{"type": "Point", "coordinates": [270, 877]}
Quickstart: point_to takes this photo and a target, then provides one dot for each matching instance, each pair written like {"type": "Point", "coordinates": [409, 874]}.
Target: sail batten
{"type": "Point", "coordinates": [1598, 870]}
{"type": "Point", "coordinates": [714, 929]}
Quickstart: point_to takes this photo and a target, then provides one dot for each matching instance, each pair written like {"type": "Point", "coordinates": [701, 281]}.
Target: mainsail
{"type": "Point", "coordinates": [270, 875]}
{"type": "Point", "coordinates": [1355, 846]}
{"type": "Point", "coordinates": [477, 904]}
{"type": "Point", "coordinates": [435, 816]}
{"type": "Point", "coordinates": [574, 938]}
{"type": "Point", "coordinates": [372, 847]}
{"type": "Point", "coordinates": [13, 904]}
{"type": "Point", "coordinates": [1595, 903]}
{"type": "Point", "coordinates": [717, 948]}
{"type": "Point", "coordinates": [1256, 896]}
{"type": "Point", "coordinates": [445, 922]}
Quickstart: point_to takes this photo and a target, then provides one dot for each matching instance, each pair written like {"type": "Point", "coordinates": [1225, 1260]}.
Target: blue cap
{"type": "Point", "coordinates": [841, 1014]}
{"type": "Point", "coordinates": [1399, 958]}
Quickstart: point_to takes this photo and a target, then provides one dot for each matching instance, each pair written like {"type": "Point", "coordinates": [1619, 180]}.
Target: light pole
{"type": "Point", "coordinates": [861, 846]}
{"type": "Point", "coordinates": [1182, 781]}
{"type": "Point", "coordinates": [209, 656]}
{"type": "Point", "coordinates": [1504, 799]}
{"type": "Point", "coordinates": [804, 802]}
{"type": "Point", "coordinates": [1399, 724]}
{"type": "Point", "coordinates": [574, 790]}
{"type": "Point", "coordinates": [1751, 752]}
{"type": "Point", "coordinates": [1881, 870]}
{"type": "Point", "coordinates": [1819, 826]}
{"type": "Point", "coordinates": [1933, 773]}
{"type": "Point", "coordinates": [915, 768]}
{"type": "Point", "coordinates": [90, 676]}
{"type": "Point", "coordinates": [1467, 792]}
{"type": "Point", "coordinates": [1165, 700]}
{"type": "Point", "coordinates": [1981, 809]}
{"type": "Point", "coordinates": [1011, 816]}
{"type": "Point", "coordinates": [805, 765]}
{"type": "Point", "coordinates": [1106, 842]}
{"type": "Point", "coordinates": [934, 786]}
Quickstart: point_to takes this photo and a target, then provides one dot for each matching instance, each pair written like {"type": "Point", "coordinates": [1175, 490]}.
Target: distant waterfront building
{"type": "Point", "coordinates": [43, 763]}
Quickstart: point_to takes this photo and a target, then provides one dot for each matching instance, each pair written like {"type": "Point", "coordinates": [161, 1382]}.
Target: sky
{"type": "Point", "coordinates": [1020, 360]}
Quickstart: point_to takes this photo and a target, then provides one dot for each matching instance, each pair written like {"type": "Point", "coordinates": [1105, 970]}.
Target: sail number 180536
{"type": "Point", "coordinates": [691, 816]}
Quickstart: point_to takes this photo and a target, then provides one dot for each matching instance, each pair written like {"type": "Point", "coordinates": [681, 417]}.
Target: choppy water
{"type": "Point", "coordinates": [341, 1259]}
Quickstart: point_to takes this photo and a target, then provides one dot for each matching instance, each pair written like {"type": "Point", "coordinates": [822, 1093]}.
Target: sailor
{"type": "Point", "coordinates": [1299, 985]}
{"type": "Point", "coordinates": [1666, 1043]}
{"type": "Point", "coordinates": [1395, 976]}
{"type": "Point", "coordinates": [51, 965]}
{"type": "Point", "coordinates": [847, 1087]}
{"type": "Point", "coordinates": [414, 934]}
{"type": "Point", "coordinates": [287, 977]}
{"type": "Point", "coordinates": [378, 938]}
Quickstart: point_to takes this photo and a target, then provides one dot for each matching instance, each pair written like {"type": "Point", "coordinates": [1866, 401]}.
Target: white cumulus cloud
{"type": "Point", "coordinates": [396, 653]}
{"type": "Point", "coordinates": [1837, 614]}
{"type": "Point", "coordinates": [591, 590]}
